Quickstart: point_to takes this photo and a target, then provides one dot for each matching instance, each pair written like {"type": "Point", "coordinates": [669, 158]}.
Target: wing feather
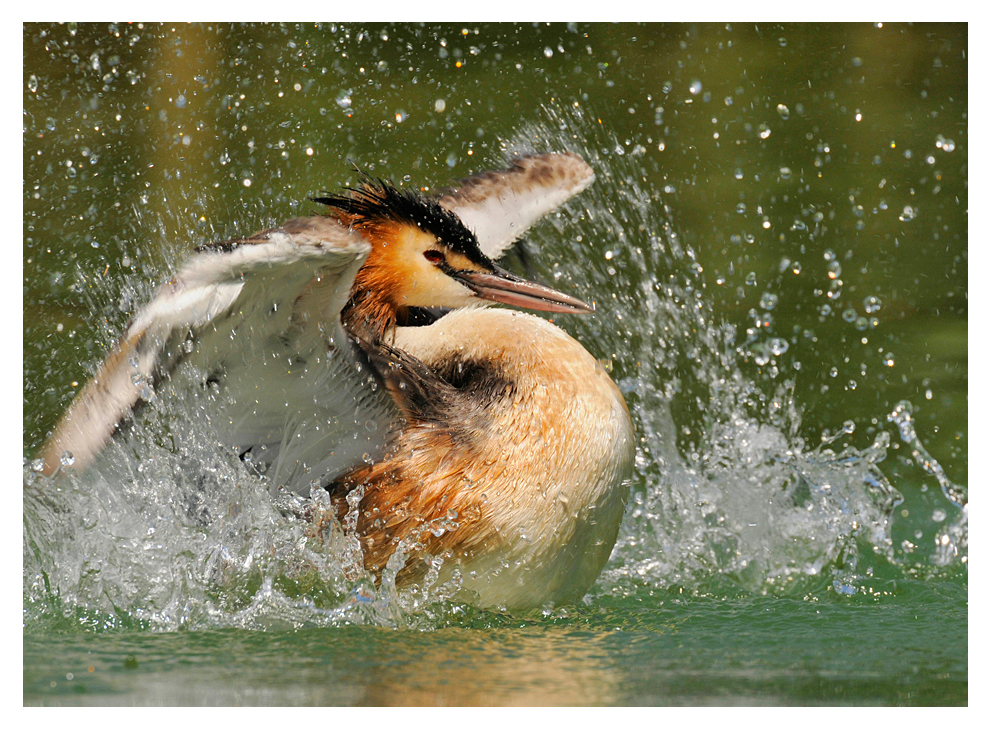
{"type": "Point", "coordinates": [260, 316]}
{"type": "Point", "coordinates": [500, 206]}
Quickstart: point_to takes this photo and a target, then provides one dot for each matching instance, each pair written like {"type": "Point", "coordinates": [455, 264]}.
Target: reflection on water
{"type": "Point", "coordinates": [494, 667]}
{"type": "Point", "coordinates": [550, 666]}
{"type": "Point", "coordinates": [732, 492]}
{"type": "Point", "coordinates": [746, 651]}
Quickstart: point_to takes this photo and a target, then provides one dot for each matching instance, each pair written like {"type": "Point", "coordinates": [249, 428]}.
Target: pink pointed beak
{"type": "Point", "coordinates": [502, 286]}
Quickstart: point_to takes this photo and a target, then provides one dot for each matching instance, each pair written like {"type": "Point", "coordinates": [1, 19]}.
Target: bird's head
{"type": "Point", "coordinates": [423, 256]}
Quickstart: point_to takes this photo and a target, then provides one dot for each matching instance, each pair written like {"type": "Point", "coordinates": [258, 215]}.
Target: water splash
{"type": "Point", "coordinates": [169, 533]}
{"type": "Point", "coordinates": [732, 499]}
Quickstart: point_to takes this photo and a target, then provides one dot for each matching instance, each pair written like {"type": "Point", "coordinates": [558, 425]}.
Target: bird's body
{"type": "Point", "coordinates": [515, 471]}
{"type": "Point", "coordinates": [484, 440]}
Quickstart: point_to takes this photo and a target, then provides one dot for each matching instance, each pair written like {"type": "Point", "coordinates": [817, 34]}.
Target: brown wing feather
{"type": "Point", "coordinates": [500, 206]}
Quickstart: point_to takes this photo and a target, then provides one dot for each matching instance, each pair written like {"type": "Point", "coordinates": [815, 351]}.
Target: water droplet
{"type": "Point", "coordinates": [439, 105]}
{"type": "Point", "coordinates": [344, 98]}
{"type": "Point", "coordinates": [696, 86]}
{"type": "Point", "coordinates": [871, 304]}
{"type": "Point", "coordinates": [768, 301]}
{"type": "Point", "coordinates": [938, 516]}
{"type": "Point", "coordinates": [849, 315]}
{"type": "Point", "coordinates": [38, 465]}
{"type": "Point", "coordinates": [67, 459]}
{"type": "Point", "coordinates": [764, 131]}
{"type": "Point", "coordinates": [785, 173]}
{"type": "Point", "coordinates": [889, 359]}
{"type": "Point", "coordinates": [944, 144]}
{"type": "Point", "coordinates": [845, 589]}
{"type": "Point", "coordinates": [32, 83]}
{"type": "Point", "coordinates": [760, 354]}
{"type": "Point", "coordinates": [547, 52]}
{"type": "Point", "coordinates": [908, 213]}
{"type": "Point", "coordinates": [783, 111]}
{"type": "Point", "coordinates": [751, 278]}
{"type": "Point", "coordinates": [834, 269]}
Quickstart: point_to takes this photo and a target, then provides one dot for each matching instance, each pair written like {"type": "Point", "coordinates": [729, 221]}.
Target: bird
{"type": "Point", "coordinates": [355, 355]}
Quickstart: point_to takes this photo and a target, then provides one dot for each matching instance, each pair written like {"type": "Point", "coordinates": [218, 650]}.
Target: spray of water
{"type": "Point", "coordinates": [730, 499]}
{"type": "Point", "coordinates": [170, 532]}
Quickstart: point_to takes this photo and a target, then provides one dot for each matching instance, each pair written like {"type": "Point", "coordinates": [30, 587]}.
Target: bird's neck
{"type": "Point", "coordinates": [371, 312]}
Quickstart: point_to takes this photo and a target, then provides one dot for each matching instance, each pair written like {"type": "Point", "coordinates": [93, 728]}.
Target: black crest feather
{"type": "Point", "coordinates": [375, 199]}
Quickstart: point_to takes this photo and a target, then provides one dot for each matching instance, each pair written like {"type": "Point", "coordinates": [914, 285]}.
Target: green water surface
{"type": "Point", "coordinates": [907, 649]}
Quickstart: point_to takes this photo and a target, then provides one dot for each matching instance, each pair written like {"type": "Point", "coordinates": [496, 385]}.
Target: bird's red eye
{"type": "Point", "coordinates": [433, 256]}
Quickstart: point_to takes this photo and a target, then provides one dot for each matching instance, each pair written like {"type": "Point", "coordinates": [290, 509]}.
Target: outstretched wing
{"type": "Point", "coordinates": [260, 317]}
{"type": "Point", "coordinates": [500, 206]}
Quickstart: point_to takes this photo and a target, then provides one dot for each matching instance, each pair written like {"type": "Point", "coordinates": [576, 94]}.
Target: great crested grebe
{"type": "Point", "coordinates": [486, 438]}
